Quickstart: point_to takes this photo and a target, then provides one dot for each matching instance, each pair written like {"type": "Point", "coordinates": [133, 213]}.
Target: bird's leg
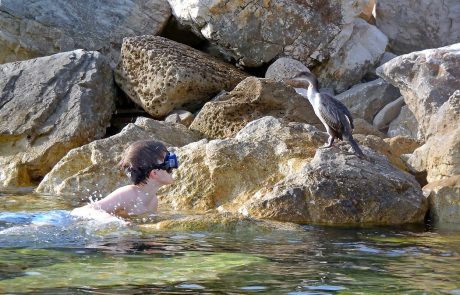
{"type": "Point", "coordinates": [330, 143]}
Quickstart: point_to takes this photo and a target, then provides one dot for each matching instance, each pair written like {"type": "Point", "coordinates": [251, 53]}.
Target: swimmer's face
{"type": "Point", "coordinates": [164, 176]}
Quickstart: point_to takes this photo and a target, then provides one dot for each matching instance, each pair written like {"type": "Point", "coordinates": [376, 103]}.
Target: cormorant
{"type": "Point", "coordinates": [333, 114]}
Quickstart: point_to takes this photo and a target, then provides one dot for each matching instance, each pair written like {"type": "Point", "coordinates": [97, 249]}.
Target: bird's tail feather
{"type": "Point", "coordinates": [355, 146]}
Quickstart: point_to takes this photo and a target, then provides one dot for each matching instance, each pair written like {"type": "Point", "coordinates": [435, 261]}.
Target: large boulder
{"type": "Point", "coordinates": [238, 174]}
{"type": "Point", "coordinates": [426, 79]}
{"type": "Point", "coordinates": [339, 188]}
{"type": "Point", "coordinates": [160, 75]}
{"type": "Point", "coordinates": [92, 170]}
{"type": "Point", "coordinates": [252, 99]}
{"type": "Point", "coordinates": [429, 81]}
{"type": "Point", "coordinates": [359, 54]}
{"type": "Point", "coordinates": [48, 106]}
{"type": "Point", "coordinates": [229, 171]}
{"type": "Point", "coordinates": [416, 25]}
{"type": "Point", "coordinates": [255, 32]}
{"type": "Point", "coordinates": [43, 27]}
{"type": "Point", "coordinates": [365, 100]}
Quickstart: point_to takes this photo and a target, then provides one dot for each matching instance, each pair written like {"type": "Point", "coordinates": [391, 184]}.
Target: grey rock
{"type": "Point", "coordinates": [32, 28]}
{"type": "Point", "coordinates": [349, 64]}
{"type": "Point", "coordinates": [405, 124]}
{"type": "Point", "coordinates": [284, 68]}
{"type": "Point", "coordinates": [416, 25]}
{"type": "Point", "coordinates": [367, 99]}
{"type": "Point", "coordinates": [255, 32]}
{"type": "Point", "coordinates": [388, 113]}
{"type": "Point", "coordinates": [48, 106]}
{"type": "Point", "coordinates": [426, 79]}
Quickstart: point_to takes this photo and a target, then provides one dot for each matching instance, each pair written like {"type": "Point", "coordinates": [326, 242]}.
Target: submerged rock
{"type": "Point", "coordinates": [339, 188]}
{"type": "Point", "coordinates": [49, 106]}
{"type": "Point", "coordinates": [92, 170]}
{"type": "Point", "coordinates": [223, 222]}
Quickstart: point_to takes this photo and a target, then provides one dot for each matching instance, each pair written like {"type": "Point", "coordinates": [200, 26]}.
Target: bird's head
{"type": "Point", "coordinates": [301, 79]}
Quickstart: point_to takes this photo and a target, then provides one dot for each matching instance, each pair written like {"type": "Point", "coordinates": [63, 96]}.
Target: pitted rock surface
{"type": "Point", "coordinates": [160, 75]}
{"type": "Point", "coordinates": [48, 106]}
{"type": "Point", "coordinates": [252, 99]}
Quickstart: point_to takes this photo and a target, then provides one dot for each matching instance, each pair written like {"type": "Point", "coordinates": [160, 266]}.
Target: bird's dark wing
{"type": "Point", "coordinates": [344, 110]}
{"type": "Point", "coordinates": [330, 113]}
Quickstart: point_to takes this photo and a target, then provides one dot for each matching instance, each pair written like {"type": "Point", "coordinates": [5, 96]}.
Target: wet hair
{"type": "Point", "coordinates": [140, 158]}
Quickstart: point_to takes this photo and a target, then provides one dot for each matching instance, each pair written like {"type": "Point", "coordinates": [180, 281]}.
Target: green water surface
{"type": "Point", "coordinates": [44, 251]}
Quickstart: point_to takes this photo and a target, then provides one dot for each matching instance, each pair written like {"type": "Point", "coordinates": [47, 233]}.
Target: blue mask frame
{"type": "Point", "coordinates": [170, 162]}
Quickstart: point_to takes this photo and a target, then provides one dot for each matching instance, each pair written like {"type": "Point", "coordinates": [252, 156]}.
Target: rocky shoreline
{"type": "Point", "coordinates": [207, 79]}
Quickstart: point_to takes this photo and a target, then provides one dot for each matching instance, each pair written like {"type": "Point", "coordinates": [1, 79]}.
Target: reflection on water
{"type": "Point", "coordinates": [44, 250]}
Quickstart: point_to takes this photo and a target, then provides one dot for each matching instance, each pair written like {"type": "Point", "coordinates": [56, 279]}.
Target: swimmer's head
{"type": "Point", "coordinates": [142, 157]}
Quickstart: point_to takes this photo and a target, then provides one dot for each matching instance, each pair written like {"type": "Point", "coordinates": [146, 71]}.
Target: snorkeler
{"type": "Point", "coordinates": [149, 165]}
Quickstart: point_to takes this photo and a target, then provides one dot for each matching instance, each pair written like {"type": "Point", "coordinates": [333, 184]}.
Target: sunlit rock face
{"type": "Point", "coordinates": [416, 25]}
{"type": "Point", "coordinates": [444, 197]}
{"type": "Point", "coordinates": [160, 75]}
{"type": "Point", "coordinates": [92, 170]}
{"type": "Point", "coordinates": [230, 171]}
{"type": "Point", "coordinates": [339, 188]}
{"type": "Point", "coordinates": [255, 32]}
{"type": "Point", "coordinates": [426, 80]}
{"type": "Point", "coordinates": [364, 47]}
{"type": "Point", "coordinates": [430, 81]}
{"type": "Point", "coordinates": [252, 99]}
{"type": "Point", "coordinates": [265, 172]}
{"type": "Point", "coordinates": [35, 28]}
{"type": "Point", "coordinates": [48, 106]}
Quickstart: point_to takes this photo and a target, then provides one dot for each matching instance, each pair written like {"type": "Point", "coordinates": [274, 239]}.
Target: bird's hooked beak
{"type": "Point", "coordinates": [298, 81]}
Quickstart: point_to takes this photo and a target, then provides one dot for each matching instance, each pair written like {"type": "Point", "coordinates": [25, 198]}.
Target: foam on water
{"type": "Point", "coordinates": [56, 228]}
